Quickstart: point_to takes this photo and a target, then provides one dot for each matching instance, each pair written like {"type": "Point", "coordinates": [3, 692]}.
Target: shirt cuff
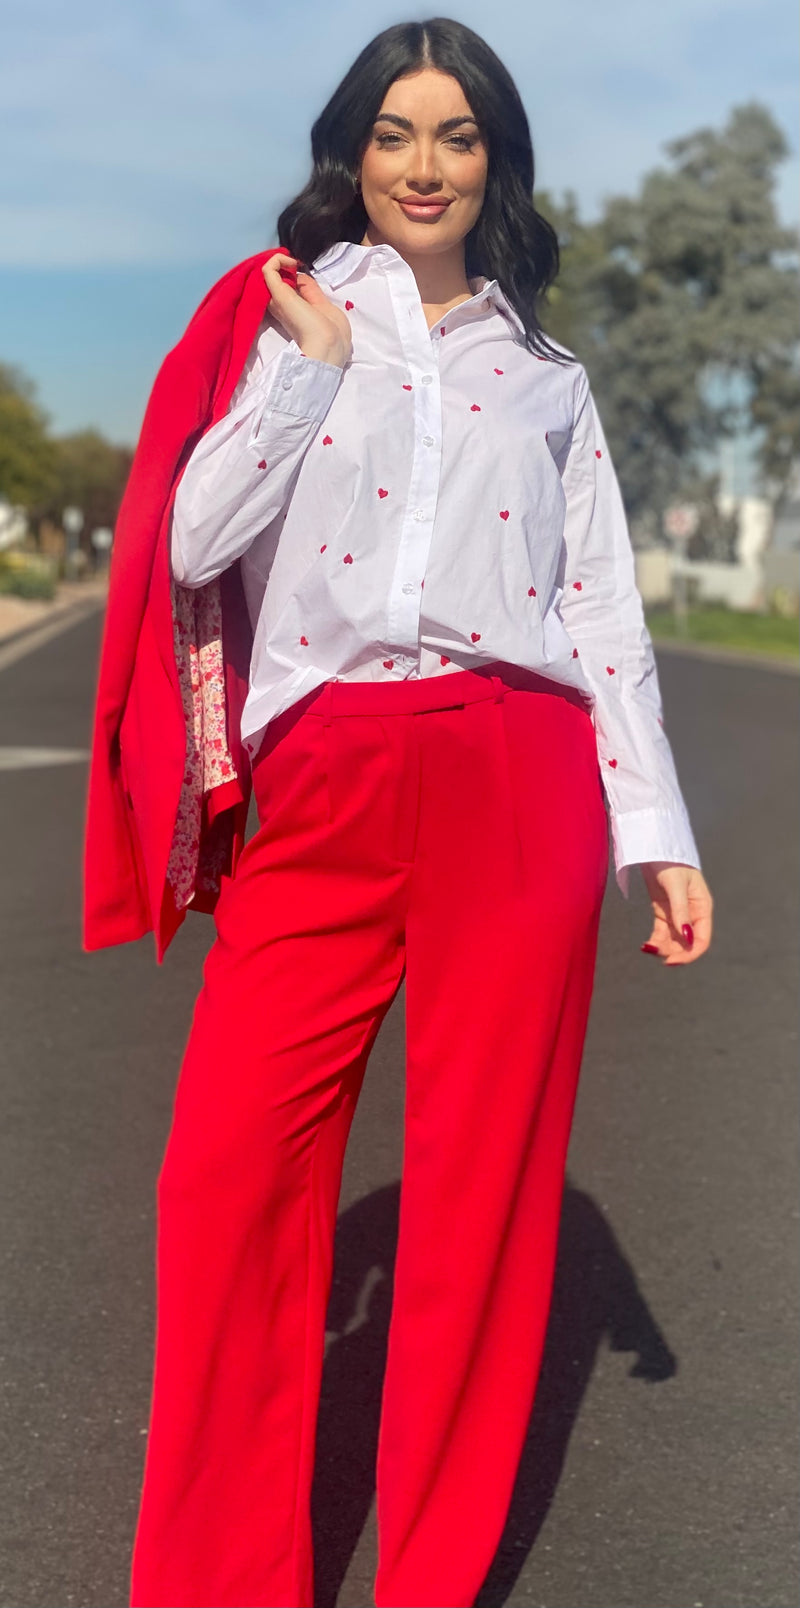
{"type": "Point", "coordinates": [644, 835]}
{"type": "Point", "coordinates": [301, 386]}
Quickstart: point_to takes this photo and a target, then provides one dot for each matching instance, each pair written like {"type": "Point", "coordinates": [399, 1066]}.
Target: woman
{"type": "Point", "coordinates": [450, 680]}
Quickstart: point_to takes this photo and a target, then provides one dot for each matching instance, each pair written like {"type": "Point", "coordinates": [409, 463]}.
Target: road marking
{"type": "Point", "coordinates": [16, 759]}
{"type": "Point", "coordinates": [39, 635]}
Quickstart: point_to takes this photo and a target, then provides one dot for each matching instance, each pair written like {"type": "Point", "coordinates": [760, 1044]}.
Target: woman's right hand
{"type": "Point", "coordinates": [320, 330]}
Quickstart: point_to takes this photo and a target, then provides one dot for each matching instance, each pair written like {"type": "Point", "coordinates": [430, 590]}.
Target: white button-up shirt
{"type": "Point", "coordinates": [446, 499]}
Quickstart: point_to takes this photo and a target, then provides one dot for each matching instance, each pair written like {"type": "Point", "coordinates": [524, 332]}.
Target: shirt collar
{"type": "Point", "coordinates": [340, 261]}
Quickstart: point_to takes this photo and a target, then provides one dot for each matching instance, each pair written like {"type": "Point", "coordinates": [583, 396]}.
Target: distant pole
{"type": "Point", "coordinates": [102, 538]}
{"type": "Point", "coordinates": [680, 523]}
{"type": "Point", "coordinates": [72, 520]}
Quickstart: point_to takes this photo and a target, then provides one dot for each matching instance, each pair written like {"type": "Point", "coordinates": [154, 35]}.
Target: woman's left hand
{"type": "Point", "coordinates": [682, 912]}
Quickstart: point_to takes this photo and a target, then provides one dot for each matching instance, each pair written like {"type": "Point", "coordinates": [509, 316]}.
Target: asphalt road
{"type": "Point", "coordinates": [661, 1466]}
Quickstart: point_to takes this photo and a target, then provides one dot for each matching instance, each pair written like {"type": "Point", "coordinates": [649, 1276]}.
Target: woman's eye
{"type": "Point", "coordinates": [463, 141]}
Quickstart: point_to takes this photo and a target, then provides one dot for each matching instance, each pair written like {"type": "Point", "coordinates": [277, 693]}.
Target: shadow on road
{"type": "Point", "coordinates": [595, 1297]}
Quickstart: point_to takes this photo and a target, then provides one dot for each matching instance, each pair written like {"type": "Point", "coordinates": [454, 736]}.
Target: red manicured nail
{"type": "Point", "coordinates": [688, 934]}
{"type": "Point", "coordinates": [649, 949]}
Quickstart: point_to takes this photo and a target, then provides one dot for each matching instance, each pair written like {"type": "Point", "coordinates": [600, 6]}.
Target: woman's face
{"type": "Point", "coordinates": [412, 153]}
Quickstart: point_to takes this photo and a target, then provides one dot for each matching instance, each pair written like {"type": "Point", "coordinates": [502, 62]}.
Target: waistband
{"type": "Point", "coordinates": [341, 698]}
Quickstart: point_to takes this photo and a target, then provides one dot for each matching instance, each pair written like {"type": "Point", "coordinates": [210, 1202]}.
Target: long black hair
{"type": "Point", "coordinates": [510, 241]}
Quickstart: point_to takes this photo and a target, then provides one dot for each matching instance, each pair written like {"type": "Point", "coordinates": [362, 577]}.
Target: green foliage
{"type": "Point", "coordinates": [26, 456]}
{"type": "Point", "coordinates": [681, 301]}
{"type": "Point", "coordinates": [26, 575]}
{"type": "Point", "coordinates": [45, 474]}
{"type": "Point", "coordinates": [90, 473]}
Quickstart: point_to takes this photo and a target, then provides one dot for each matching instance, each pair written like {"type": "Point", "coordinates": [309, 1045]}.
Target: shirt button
{"type": "Point", "coordinates": [408, 586]}
{"type": "Point", "coordinates": [419, 513]}
{"type": "Point", "coordinates": [427, 379]}
{"type": "Point", "coordinates": [287, 385]}
{"type": "Point", "coordinates": [427, 441]}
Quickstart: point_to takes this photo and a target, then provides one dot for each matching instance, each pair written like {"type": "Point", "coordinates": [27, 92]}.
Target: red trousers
{"type": "Point", "coordinates": [452, 831]}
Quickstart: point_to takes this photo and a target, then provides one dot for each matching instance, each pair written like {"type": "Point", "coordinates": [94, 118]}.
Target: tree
{"type": "Point", "coordinates": [45, 474]}
{"type": "Point", "coordinates": [90, 473]}
{"type": "Point", "coordinates": [679, 301]}
{"type": "Point", "coordinates": [26, 458]}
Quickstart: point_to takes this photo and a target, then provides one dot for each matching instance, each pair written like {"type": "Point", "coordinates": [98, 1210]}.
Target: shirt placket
{"type": "Point", "coordinates": [421, 351]}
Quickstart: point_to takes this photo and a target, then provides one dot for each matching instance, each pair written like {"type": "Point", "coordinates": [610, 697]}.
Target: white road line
{"type": "Point", "coordinates": [38, 636]}
{"type": "Point", "coordinates": [16, 759]}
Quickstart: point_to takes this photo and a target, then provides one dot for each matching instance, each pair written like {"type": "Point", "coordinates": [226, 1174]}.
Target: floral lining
{"type": "Point", "coordinates": [197, 631]}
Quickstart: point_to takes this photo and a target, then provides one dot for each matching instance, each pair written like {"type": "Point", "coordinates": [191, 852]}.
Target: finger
{"type": "Point", "coordinates": [274, 268]}
{"type": "Point", "coordinates": [680, 914]}
{"type": "Point", "coordinates": [683, 954]}
{"type": "Point", "coordinates": [310, 290]}
{"type": "Point", "coordinates": [658, 942]}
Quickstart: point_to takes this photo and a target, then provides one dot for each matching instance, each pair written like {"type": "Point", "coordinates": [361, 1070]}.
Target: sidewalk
{"type": "Point", "coordinates": [19, 615]}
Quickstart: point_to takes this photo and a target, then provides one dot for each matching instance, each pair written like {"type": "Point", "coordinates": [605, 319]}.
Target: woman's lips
{"type": "Point", "coordinates": [416, 209]}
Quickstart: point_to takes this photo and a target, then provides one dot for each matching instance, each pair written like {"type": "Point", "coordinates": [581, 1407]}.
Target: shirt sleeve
{"type": "Point", "coordinates": [240, 475]}
{"type": "Point", "coordinates": [603, 613]}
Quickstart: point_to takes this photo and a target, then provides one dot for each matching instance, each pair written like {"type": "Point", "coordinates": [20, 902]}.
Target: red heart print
{"type": "Point", "coordinates": [577, 586]}
{"type": "Point", "coordinates": [262, 463]}
{"type": "Point", "coordinates": [660, 721]}
{"type": "Point", "coordinates": [610, 671]}
{"type": "Point", "coordinates": [441, 329]}
{"type": "Point", "coordinates": [597, 452]}
{"type": "Point", "coordinates": [476, 636]}
{"type": "Point", "coordinates": [388, 664]}
{"type": "Point", "coordinates": [531, 591]}
{"type": "Point", "coordinates": [407, 387]}
{"type": "Point", "coordinates": [547, 435]}
{"type": "Point", "coordinates": [327, 441]}
{"type": "Point", "coordinates": [348, 558]}
{"type": "Point", "coordinates": [574, 653]}
{"type": "Point", "coordinates": [381, 492]}
{"type": "Point", "coordinates": [475, 408]}
{"type": "Point", "coordinates": [498, 371]}
{"type": "Point", "coordinates": [540, 358]}
{"type": "Point", "coordinates": [443, 659]}
{"type": "Point", "coordinates": [613, 764]}
{"type": "Point", "coordinates": [324, 545]}
{"type": "Point", "coordinates": [304, 642]}
{"type": "Point", "coordinates": [504, 513]}
{"type": "Point", "coordinates": [348, 306]}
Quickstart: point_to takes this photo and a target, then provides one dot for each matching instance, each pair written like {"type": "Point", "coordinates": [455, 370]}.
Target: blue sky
{"type": "Point", "coordinates": [150, 145]}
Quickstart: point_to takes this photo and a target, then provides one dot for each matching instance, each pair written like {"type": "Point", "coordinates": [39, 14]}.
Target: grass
{"type": "Point", "coordinates": [729, 628]}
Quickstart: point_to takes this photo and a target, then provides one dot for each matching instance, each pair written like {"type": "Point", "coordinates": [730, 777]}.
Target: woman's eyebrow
{"type": "Point", "coordinates": [405, 122]}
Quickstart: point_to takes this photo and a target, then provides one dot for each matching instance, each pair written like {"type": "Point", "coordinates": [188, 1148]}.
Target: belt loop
{"type": "Point", "coordinates": [499, 689]}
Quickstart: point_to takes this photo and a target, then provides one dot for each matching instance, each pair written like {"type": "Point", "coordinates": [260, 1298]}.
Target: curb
{"type": "Point", "coordinates": [721, 655]}
{"type": "Point", "coordinates": [56, 612]}
{"type": "Point", "coordinates": [30, 637]}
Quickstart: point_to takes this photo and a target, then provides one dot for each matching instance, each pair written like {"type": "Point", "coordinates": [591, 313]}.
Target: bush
{"type": "Point", "coordinates": [27, 575]}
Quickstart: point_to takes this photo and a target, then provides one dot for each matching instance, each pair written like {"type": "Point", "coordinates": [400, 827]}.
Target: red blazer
{"type": "Point", "coordinates": [169, 780]}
